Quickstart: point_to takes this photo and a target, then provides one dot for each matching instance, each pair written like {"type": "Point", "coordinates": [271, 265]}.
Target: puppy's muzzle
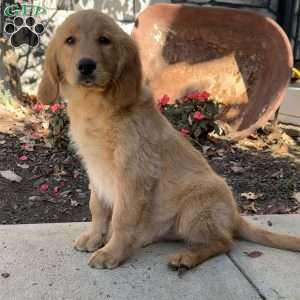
{"type": "Point", "coordinates": [86, 68]}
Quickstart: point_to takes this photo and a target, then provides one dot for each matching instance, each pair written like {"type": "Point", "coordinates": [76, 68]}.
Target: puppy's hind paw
{"type": "Point", "coordinates": [180, 261]}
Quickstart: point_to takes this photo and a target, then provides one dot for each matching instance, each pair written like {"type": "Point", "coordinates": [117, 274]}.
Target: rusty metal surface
{"type": "Point", "coordinates": [241, 58]}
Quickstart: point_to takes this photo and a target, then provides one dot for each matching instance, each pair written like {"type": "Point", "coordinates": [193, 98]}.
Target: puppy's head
{"type": "Point", "coordinates": [91, 51]}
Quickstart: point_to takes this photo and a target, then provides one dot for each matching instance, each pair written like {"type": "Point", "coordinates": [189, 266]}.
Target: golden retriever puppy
{"type": "Point", "coordinates": [148, 183]}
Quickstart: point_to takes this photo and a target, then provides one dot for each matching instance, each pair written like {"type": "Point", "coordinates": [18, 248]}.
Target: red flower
{"type": "Point", "coordinates": [184, 131]}
{"type": "Point", "coordinates": [205, 95]}
{"type": "Point", "coordinates": [23, 157]}
{"type": "Point", "coordinates": [56, 189]}
{"type": "Point", "coordinates": [198, 116]}
{"type": "Point", "coordinates": [56, 107]}
{"type": "Point", "coordinates": [165, 99]}
{"type": "Point", "coordinates": [38, 107]}
{"type": "Point", "coordinates": [200, 96]}
{"type": "Point", "coordinates": [44, 187]}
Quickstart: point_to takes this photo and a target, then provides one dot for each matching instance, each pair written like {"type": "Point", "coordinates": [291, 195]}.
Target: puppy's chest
{"type": "Point", "coordinates": [97, 156]}
{"type": "Point", "coordinates": [101, 180]}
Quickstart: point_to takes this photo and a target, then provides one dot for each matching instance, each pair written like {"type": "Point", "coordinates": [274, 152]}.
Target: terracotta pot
{"type": "Point", "coordinates": [241, 58]}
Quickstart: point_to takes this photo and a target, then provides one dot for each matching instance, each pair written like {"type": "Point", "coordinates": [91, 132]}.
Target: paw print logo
{"type": "Point", "coordinates": [24, 31]}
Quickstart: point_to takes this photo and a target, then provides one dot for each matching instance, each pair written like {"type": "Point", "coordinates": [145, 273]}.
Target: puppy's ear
{"type": "Point", "coordinates": [129, 73]}
{"type": "Point", "coordinates": [48, 90]}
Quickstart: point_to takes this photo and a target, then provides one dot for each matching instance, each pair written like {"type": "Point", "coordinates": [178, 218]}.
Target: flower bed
{"type": "Point", "coordinates": [194, 115]}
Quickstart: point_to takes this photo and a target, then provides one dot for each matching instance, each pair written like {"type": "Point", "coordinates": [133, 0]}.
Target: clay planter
{"type": "Point", "coordinates": [241, 58]}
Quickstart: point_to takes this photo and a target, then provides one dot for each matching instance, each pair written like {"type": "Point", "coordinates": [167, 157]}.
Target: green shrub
{"type": "Point", "coordinates": [194, 115]}
{"type": "Point", "coordinates": [58, 124]}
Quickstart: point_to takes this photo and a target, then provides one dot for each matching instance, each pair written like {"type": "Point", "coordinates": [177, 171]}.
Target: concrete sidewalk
{"type": "Point", "coordinates": [42, 265]}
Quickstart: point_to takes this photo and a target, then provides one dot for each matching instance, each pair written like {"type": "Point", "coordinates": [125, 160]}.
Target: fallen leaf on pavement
{"type": "Point", "coordinates": [254, 254]}
{"type": "Point", "coordinates": [5, 275]}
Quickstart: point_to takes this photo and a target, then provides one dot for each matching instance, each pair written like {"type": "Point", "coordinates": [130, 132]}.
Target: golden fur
{"type": "Point", "coordinates": [147, 182]}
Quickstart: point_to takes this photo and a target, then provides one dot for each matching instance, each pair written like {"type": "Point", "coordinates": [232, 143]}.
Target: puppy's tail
{"type": "Point", "coordinates": [258, 235]}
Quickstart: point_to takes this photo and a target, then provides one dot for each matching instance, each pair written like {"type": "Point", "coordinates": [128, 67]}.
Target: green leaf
{"type": "Point", "coordinates": [203, 124]}
{"type": "Point", "coordinates": [197, 132]}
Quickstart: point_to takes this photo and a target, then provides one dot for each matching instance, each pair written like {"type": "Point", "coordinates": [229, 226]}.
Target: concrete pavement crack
{"type": "Point", "coordinates": [259, 292]}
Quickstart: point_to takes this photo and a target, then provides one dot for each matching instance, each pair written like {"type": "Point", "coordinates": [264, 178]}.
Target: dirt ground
{"type": "Point", "coordinates": [263, 171]}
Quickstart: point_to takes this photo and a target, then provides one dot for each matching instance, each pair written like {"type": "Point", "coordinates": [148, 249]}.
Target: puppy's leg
{"type": "Point", "coordinates": [94, 237]}
{"type": "Point", "coordinates": [197, 253]}
{"type": "Point", "coordinates": [206, 231]}
{"type": "Point", "coordinates": [128, 229]}
{"type": "Point", "coordinates": [135, 180]}
{"type": "Point", "coordinates": [126, 236]}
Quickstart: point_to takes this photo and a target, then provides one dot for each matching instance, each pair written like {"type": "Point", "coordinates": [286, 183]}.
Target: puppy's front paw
{"type": "Point", "coordinates": [88, 242]}
{"type": "Point", "coordinates": [104, 260]}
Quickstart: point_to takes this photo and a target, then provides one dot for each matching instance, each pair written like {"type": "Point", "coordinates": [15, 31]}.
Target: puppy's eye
{"type": "Point", "coordinates": [70, 40]}
{"type": "Point", "coordinates": [104, 40]}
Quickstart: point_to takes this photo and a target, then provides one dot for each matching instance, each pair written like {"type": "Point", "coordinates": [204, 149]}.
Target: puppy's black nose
{"type": "Point", "coordinates": [86, 66]}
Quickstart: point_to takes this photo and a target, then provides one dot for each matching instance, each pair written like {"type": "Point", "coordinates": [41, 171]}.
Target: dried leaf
{"type": "Point", "coordinates": [5, 275]}
{"type": "Point", "coordinates": [76, 173]}
{"type": "Point", "coordinates": [297, 196]}
{"type": "Point", "coordinates": [252, 207]}
{"type": "Point", "coordinates": [254, 254]}
{"type": "Point", "coordinates": [251, 195]}
{"type": "Point", "coordinates": [220, 152]}
{"type": "Point", "coordinates": [237, 170]}
{"type": "Point", "coordinates": [281, 149]}
{"type": "Point", "coordinates": [205, 149]}
{"type": "Point", "coordinates": [10, 175]}
{"type": "Point", "coordinates": [74, 203]}
{"type": "Point", "coordinates": [23, 166]}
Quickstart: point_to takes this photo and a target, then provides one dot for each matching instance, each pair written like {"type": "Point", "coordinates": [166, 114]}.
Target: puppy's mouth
{"type": "Point", "coordinates": [87, 81]}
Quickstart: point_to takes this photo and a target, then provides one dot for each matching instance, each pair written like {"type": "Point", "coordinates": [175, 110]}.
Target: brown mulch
{"type": "Point", "coordinates": [263, 171]}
